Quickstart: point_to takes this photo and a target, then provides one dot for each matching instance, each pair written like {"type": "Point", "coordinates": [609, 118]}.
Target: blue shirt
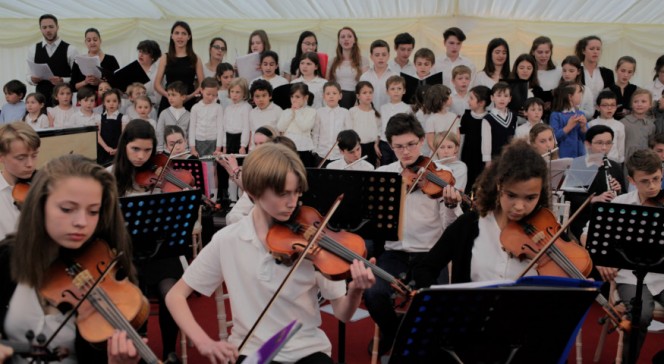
{"type": "Point", "coordinates": [570, 144]}
{"type": "Point", "coordinates": [12, 112]}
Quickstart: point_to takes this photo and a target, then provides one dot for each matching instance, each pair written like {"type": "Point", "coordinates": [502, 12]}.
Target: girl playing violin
{"type": "Point", "coordinates": [238, 255]}
{"type": "Point", "coordinates": [136, 148]}
{"type": "Point", "coordinates": [72, 201]}
{"type": "Point", "coordinates": [511, 188]}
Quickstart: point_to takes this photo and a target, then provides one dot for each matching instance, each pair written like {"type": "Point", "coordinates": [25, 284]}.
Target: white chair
{"type": "Point", "coordinates": [224, 323]}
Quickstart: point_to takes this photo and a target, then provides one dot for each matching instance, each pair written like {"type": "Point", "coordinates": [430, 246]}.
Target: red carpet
{"type": "Point", "coordinates": [359, 334]}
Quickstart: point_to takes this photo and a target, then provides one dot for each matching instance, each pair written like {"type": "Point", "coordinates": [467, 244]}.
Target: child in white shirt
{"type": "Point", "coordinates": [235, 131]}
{"type": "Point", "coordinates": [396, 88]}
{"type": "Point", "coordinates": [379, 72]}
{"type": "Point", "coordinates": [206, 120]}
{"type": "Point", "coordinates": [298, 122]}
{"type": "Point", "coordinates": [35, 111]}
{"type": "Point", "coordinates": [59, 115]}
{"type": "Point", "coordinates": [269, 65]}
{"type": "Point", "coordinates": [312, 77]}
{"type": "Point", "coordinates": [366, 120]}
{"type": "Point", "coordinates": [85, 116]}
{"type": "Point", "coordinates": [534, 107]}
{"type": "Point", "coordinates": [266, 112]}
{"type": "Point", "coordinates": [437, 100]}
{"type": "Point", "coordinates": [143, 109]}
{"type": "Point", "coordinates": [331, 119]}
{"type": "Point", "coordinates": [351, 153]}
{"type": "Point", "coordinates": [461, 82]}
{"type": "Point", "coordinates": [607, 104]}
{"type": "Point", "coordinates": [225, 75]}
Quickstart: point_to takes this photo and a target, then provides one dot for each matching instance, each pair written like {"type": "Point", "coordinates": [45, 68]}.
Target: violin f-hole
{"type": "Point", "coordinates": [101, 267]}
{"type": "Point", "coordinates": [67, 291]}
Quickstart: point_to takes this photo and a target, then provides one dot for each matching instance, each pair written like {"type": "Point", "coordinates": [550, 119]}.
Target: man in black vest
{"type": "Point", "coordinates": [58, 54]}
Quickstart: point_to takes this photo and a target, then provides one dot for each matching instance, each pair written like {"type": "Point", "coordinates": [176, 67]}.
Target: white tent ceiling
{"type": "Point", "coordinates": [627, 27]}
{"type": "Point", "coordinates": [587, 11]}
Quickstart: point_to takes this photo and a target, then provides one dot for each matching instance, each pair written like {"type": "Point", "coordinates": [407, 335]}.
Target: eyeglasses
{"type": "Point", "coordinates": [657, 180]}
{"type": "Point", "coordinates": [408, 146]}
{"type": "Point", "coordinates": [219, 48]}
{"type": "Point", "coordinates": [608, 105]}
{"type": "Point", "coordinates": [310, 44]}
{"type": "Point", "coordinates": [608, 144]}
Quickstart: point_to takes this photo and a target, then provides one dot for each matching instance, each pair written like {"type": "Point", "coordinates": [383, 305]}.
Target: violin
{"type": "Point", "coordinates": [657, 201]}
{"type": "Point", "coordinates": [172, 180]}
{"type": "Point", "coordinates": [20, 190]}
{"type": "Point", "coordinates": [525, 238]}
{"type": "Point", "coordinates": [331, 254]}
{"type": "Point", "coordinates": [104, 304]}
{"type": "Point", "coordinates": [434, 180]}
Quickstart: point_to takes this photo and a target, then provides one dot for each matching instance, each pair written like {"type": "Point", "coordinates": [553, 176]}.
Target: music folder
{"type": "Point", "coordinates": [125, 76]}
{"type": "Point", "coordinates": [413, 82]}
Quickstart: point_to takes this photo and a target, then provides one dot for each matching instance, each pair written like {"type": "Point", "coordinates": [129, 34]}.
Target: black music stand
{"type": "Point", "coordinates": [371, 204]}
{"type": "Point", "coordinates": [370, 208]}
{"type": "Point", "coordinates": [504, 324]}
{"type": "Point", "coordinates": [161, 225]}
{"type": "Point", "coordinates": [628, 237]}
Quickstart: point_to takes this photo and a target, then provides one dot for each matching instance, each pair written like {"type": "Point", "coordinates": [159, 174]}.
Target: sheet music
{"type": "Point", "coordinates": [88, 65]}
{"type": "Point", "coordinates": [40, 70]}
{"type": "Point", "coordinates": [247, 66]}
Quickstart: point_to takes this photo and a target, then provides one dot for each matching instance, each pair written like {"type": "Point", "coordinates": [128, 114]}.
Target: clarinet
{"type": "Point", "coordinates": [607, 175]}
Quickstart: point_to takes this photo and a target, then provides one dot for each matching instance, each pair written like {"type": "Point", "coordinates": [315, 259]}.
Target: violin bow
{"type": "Point", "coordinates": [320, 165]}
{"type": "Point", "coordinates": [556, 236]}
{"type": "Point", "coordinates": [433, 154]}
{"type": "Point", "coordinates": [297, 263]}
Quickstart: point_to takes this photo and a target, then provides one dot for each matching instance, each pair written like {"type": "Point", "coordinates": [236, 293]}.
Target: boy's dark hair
{"type": "Point", "coordinates": [223, 67]}
{"type": "Point", "coordinates": [48, 16]}
{"type": "Point", "coordinates": [500, 87]}
{"type": "Point", "coordinates": [656, 139]}
{"type": "Point", "coordinates": [272, 54]}
{"type": "Point", "coordinates": [403, 123]}
{"type": "Point", "coordinates": [209, 82]}
{"type": "Point", "coordinates": [15, 87]}
{"type": "Point", "coordinates": [85, 92]}
{"type": "Point", "coordinates": [177, 86]}
{"type": "Point", "coordinates": [597, 130]}
{"type": "Point", "coordinates": [436, 98]}
{"type": "Point", "coordinates": [260, 85]}
{"type": "Point", "coordinates": [348, 139]}
{"type": "Point", "coordinates": [482, 93]}
{"type": "Point", "coordinates": [533, 101]}
{"type": "Point", "coordinates": [454, 31]}
{"type": "Point", "coordinates": [403, 38]}
{"type": "Point", "coordinates": [378, 44]}
{"type": "Point", "coordinates": [606, 95]}
{"type": "Point", "coordinates": [395, 79]}
{"type": "Point", "coordinates": [425, 53]}
{"type": "Point", "coordinates": [644, 160]}
{"type": "Point", "coordinates": [150, 47]}
{"type": "Point", "coordinates": [334, 84]}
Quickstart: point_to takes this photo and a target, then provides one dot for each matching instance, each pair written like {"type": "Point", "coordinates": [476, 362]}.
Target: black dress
{"type": "Point", "coordinates": [471, 152]}
{"type": "Point", "coordinates": [180, 70]}
{"type": "Point", "coordinates": [110, 131]}
{"type": "Point", "coordinates": [109, 64]}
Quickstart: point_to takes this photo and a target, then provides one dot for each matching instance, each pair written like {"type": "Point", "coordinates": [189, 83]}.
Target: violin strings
{"type": "Point", "coordinates": [571, 270]}
{"type": "Point", "coordinates": [112, 314]}
{"type": "Point", "coordinates": [348, 255]}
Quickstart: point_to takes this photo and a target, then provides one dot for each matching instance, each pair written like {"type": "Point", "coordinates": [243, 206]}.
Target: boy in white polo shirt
{"type": "Point", "coordinates": [238, 255]}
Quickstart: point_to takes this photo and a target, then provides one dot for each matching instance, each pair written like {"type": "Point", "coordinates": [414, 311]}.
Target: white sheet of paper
{"type": "Point", "coordinates": [88, 65]}
{"type": "Point", "coordinates": [40, 70]}
{"type": "Point", "coordinates": [247, 66]}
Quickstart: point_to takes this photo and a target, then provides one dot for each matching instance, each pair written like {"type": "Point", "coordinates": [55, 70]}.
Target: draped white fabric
{"type": "Point", "coordinates": [627, 27]}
